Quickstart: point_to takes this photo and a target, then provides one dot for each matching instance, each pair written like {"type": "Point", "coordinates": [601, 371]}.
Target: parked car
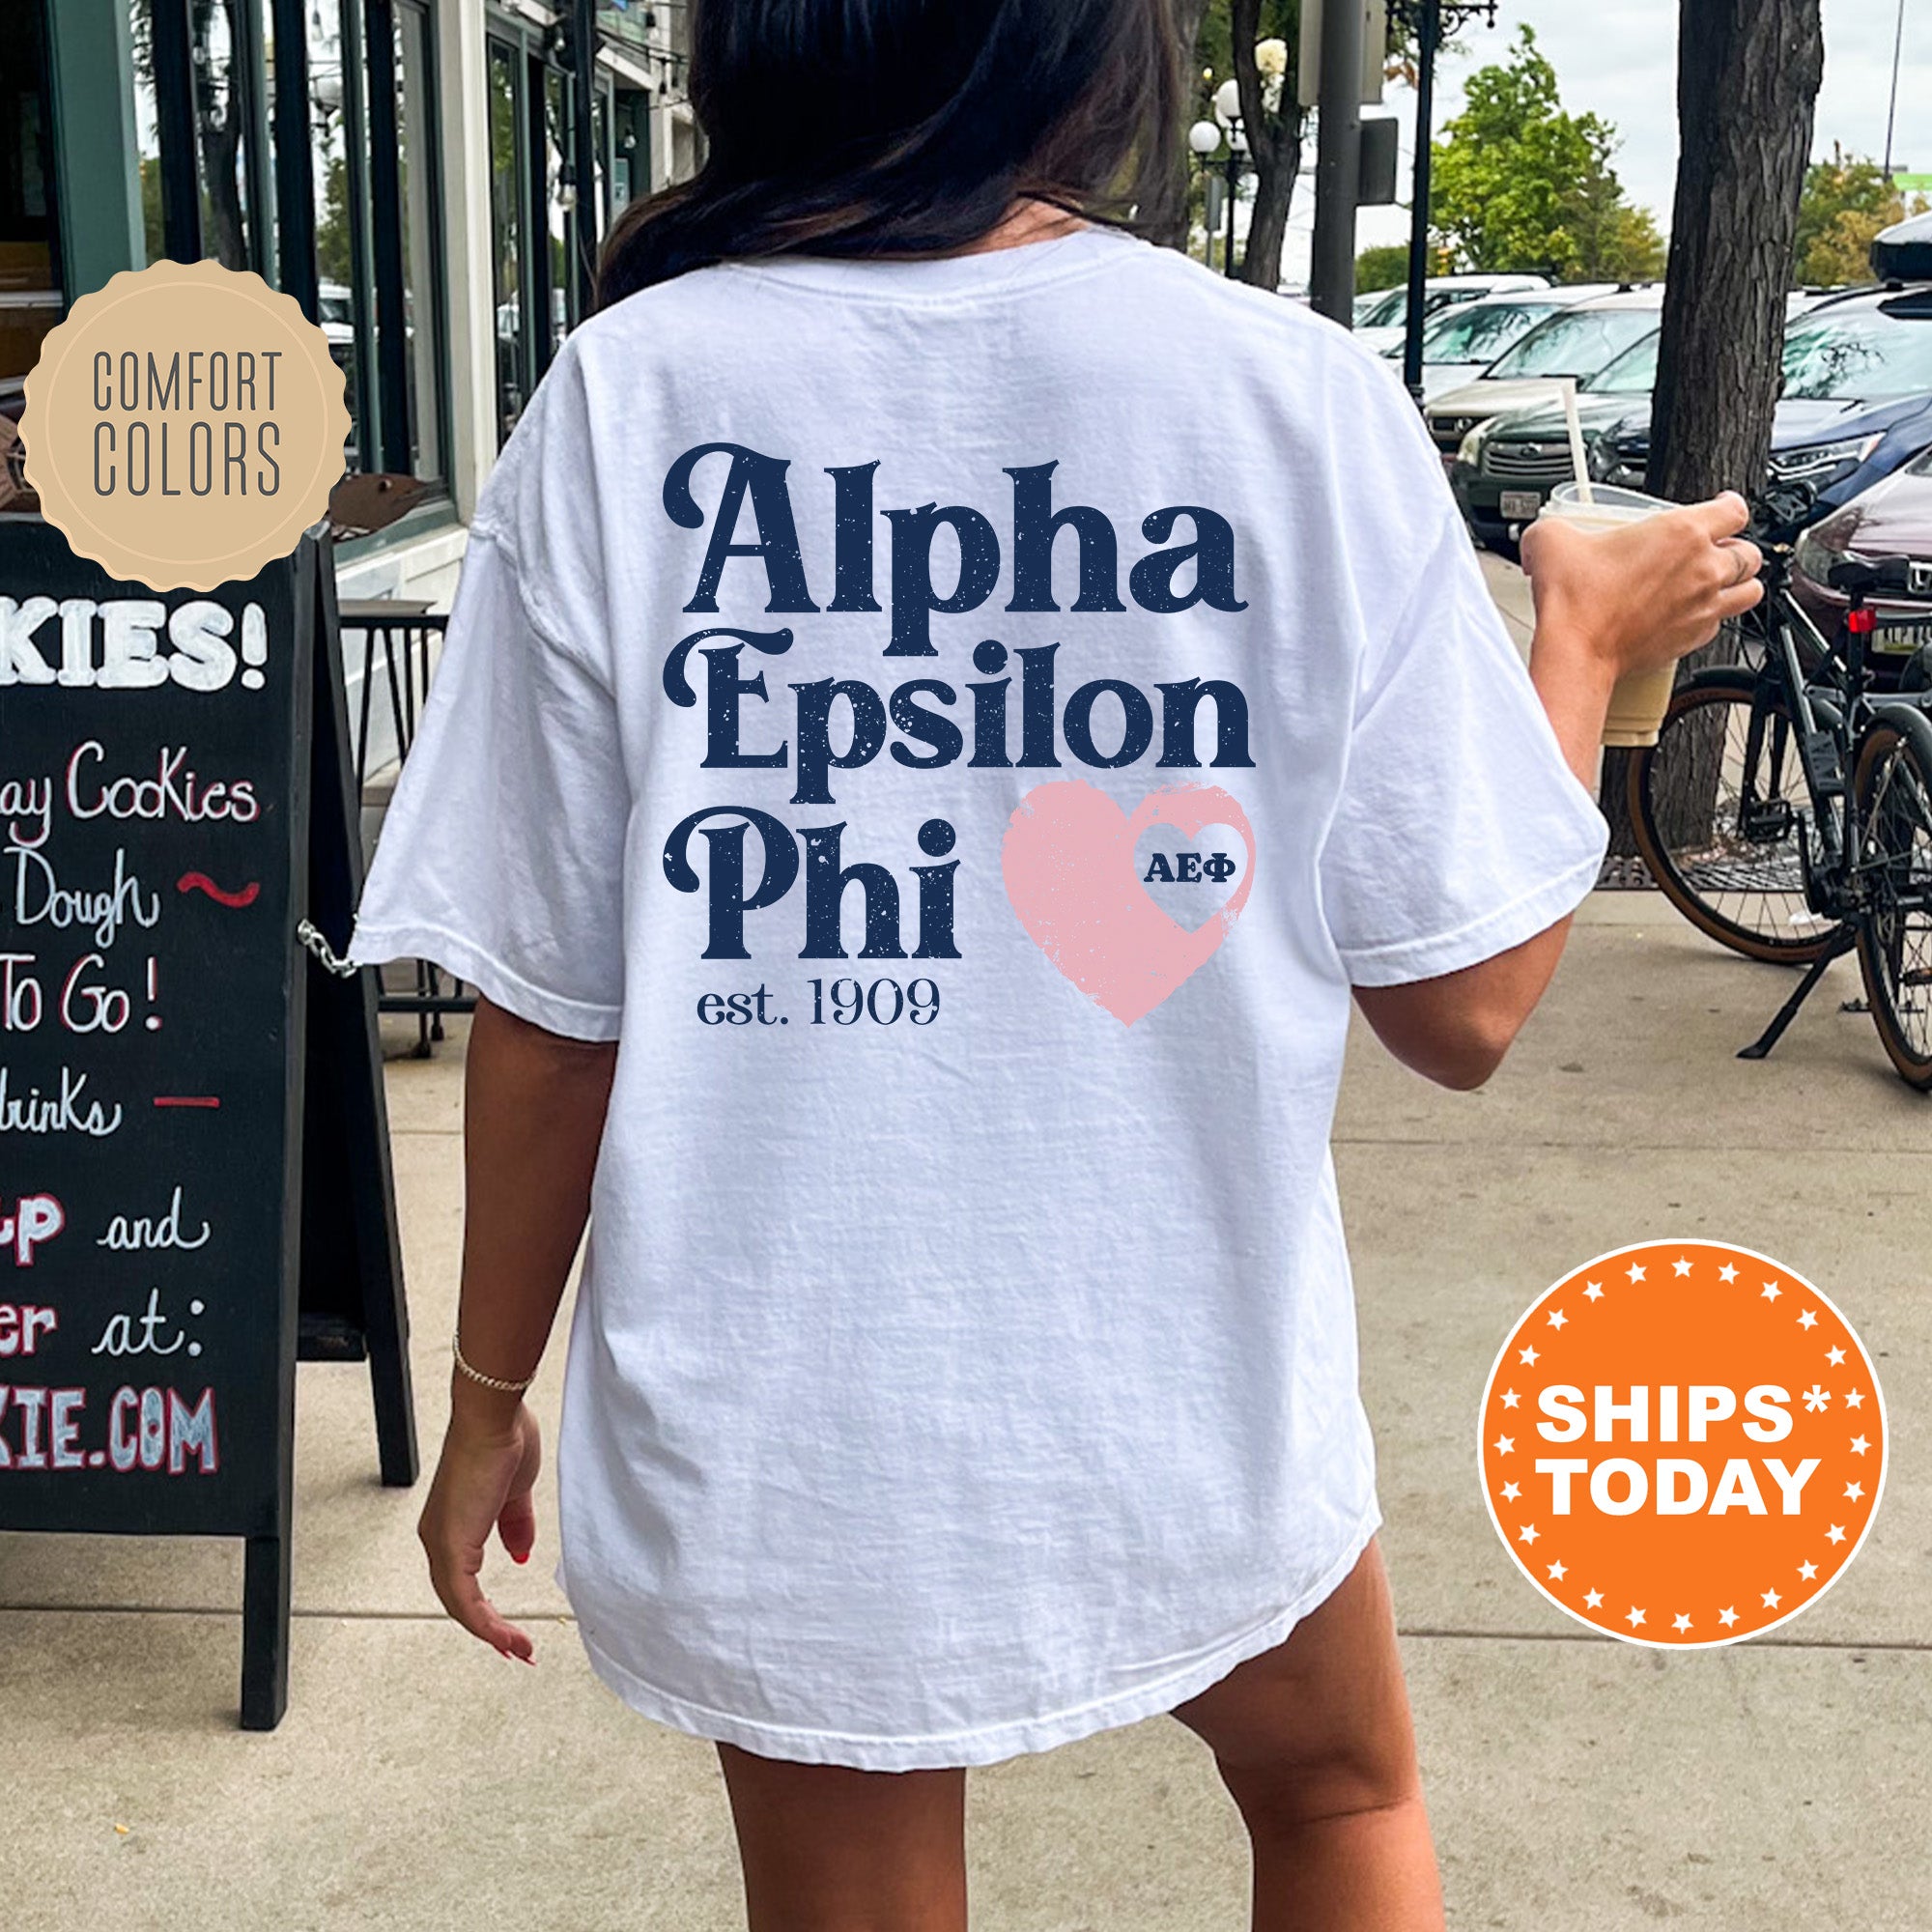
{"type": "Point", "coordinates": [1387, 320]}
{"type": "Point", "coordinates": [1892, 518]}
{"type": "Point", "coordinates": [1903, 252]}
{"type": "Point", "coordinates": [1507, 465]}
{"type": "Point", "coordinates": [1856, 404]}
{"type": "Point", "coordinates": [1576, 342]}
{"type": "Point", "coordinates": [1460, 343]}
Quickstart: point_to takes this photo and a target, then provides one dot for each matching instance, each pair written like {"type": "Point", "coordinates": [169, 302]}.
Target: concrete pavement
{"type": "Point", "coordinates": [1579, 1786]}
{"type": "Point", "coordinates": [420, 1783]}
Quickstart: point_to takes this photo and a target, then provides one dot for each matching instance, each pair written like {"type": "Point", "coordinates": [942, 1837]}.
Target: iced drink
{"type": "Point", "coordinates": [1639, 701]}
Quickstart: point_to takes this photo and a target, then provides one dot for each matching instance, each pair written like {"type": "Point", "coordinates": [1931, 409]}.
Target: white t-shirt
{"type": "Point", "coordinates": [965, 1355]}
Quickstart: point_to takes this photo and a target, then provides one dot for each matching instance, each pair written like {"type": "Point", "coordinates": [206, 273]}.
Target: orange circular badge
{"type": "Point", "coordinates": [1682, 1443]}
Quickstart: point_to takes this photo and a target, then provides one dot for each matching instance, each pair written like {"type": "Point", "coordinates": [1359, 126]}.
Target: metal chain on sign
{"type": "Point", "coordinates": [326, 956]}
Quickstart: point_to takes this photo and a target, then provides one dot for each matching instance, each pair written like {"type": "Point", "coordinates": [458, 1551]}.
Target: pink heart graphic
{"type": "Point", "coordinates": [1068, 863]}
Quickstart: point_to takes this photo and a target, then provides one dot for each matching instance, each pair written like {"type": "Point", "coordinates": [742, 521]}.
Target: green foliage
{"type": "Point", "coordinates": [1846, 201]}
{"type": "Point", "coordinates": [1381, 267]}
{"type": "Point", "coordinates": [1523, 188]}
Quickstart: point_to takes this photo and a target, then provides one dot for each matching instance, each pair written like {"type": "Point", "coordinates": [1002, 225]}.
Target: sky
{"type": "Point", "coordinates": [1619, 59]}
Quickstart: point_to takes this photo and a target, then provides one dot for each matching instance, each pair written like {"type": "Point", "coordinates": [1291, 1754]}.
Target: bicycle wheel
{"type": "Point", "coordinates": [1894, 796]}
{"type": "Point", "coordinates": [1717, 807]}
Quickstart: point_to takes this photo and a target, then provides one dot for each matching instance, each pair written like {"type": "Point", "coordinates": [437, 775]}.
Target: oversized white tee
{"type": "Point", "coordinates": [962, 727]}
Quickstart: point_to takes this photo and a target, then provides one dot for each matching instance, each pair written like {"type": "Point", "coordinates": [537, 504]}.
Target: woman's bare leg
{"type": "Point", "coordinates": [830, 1850]}
{"type": "Point", "coordinates": [1314, 1741]}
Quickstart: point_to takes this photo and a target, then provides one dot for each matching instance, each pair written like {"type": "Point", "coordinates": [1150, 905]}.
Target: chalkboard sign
{"type": "Point", "coordinates": [174, 801]}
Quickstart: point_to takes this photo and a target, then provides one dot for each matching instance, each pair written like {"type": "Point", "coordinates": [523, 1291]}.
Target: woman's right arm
{"type": "Point", "coordinates": [533, 1119]}
{"type": "Point", "coordinates": [1606, 605]}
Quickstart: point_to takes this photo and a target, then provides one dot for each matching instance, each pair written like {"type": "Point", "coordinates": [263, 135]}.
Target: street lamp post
{"type": "Point", "coordinates": [1206, 136]}
{"type": "Point", "coordinates": [1430, 21]}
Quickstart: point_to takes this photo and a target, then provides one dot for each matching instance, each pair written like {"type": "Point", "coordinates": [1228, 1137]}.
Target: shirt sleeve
{"type": "Point", "coordinates": [1460, 830]}
{"type": "Point", "coordinates": [501, 856]}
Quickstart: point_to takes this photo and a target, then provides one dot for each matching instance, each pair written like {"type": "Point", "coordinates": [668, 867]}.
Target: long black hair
{"type": "Point", "coordinates": [905, 127]}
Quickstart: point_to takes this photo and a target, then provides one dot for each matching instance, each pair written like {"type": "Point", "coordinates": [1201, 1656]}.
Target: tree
{"type": "Point", "coordinates": [1845, 203]}
{"type": "Point", "coordinates": [1383, 267]}
{"type": "Point", "coordinates": [1265, 47]}
{"type": "Point", "coordinates": [1747, 79]}
{"type": "Point", "coordinates": [1172, 217]}
{"type": "Point", "coordinates": [1523, 188]}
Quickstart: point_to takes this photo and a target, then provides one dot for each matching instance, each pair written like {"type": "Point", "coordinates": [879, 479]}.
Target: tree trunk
{"type": "Point", "coordinates": [1747, 79]}
{"type": "Point", "coordinates": [1168, 210]}
{"type": "Point", "coordinates": [1275, 150]}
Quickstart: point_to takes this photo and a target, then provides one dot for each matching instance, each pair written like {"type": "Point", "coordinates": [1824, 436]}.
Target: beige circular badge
{"type": "Point", "coordinates": [184, 425]}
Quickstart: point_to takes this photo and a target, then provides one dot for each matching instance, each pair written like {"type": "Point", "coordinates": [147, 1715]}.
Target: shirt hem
{"type": "Point", "coordinates": [988, 1744]}
{"type": "Point", "coordinates": [1400, 962]}
{"type": "Point", "coordinates": [500, 984]}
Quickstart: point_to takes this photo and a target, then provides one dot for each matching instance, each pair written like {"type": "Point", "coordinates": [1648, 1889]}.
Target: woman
{"type": "Point", "coordinates": [944, 704]}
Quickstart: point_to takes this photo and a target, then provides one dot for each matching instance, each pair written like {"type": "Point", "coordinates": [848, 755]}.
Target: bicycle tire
{"type": "Point", "coordinates": [1747, 895]}
{"type": "Point", "coordinates": [1894, 797]}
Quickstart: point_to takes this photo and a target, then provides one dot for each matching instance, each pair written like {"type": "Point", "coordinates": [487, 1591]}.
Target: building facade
{"type": "Point", "coordinates": [430, 179]}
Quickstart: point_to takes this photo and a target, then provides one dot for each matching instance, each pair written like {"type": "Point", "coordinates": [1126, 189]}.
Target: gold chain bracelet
{"type": "Point", "coordinates": [477, 1375]}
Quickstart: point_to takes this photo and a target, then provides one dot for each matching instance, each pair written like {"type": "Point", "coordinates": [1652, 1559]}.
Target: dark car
{"type": "Point", "coordinates": [1894, 519]}
{"type": "Point", "coordinates": [1856, 404]}
{"type": "Point", "coordinates": [1508, 466]}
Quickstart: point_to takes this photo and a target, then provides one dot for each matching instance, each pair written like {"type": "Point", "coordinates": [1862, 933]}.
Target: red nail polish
{"type": "Point", "coordinates": [524, 1558]}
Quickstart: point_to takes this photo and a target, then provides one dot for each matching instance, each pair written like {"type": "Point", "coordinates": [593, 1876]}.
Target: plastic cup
{"type": "Point", "coordinates": [1639, 701]}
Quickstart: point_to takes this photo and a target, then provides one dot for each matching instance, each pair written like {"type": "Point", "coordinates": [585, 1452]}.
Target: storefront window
{"type": "Point", "coordinates": [415, 146]}
{"type": "Point", "coordinates": [336, 238]}
{"type": "Point", "coordinates": [506, 117]}
{"type": "Point", "coordinates": [222, 87]}
{"type": "Point", "coordinates": [30, 297]}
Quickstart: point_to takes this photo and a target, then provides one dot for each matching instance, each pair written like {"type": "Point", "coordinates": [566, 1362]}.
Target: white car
{"type": "Point", "coordinates": [1386, 320]}
{"type": "Point", "coordinates": [1460, 343]}
{"type": "Point", "coordinates": [1574, 342]}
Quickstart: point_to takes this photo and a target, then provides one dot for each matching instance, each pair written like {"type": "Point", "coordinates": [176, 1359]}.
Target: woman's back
{"type": "Point", "coordinates": [964, 724]}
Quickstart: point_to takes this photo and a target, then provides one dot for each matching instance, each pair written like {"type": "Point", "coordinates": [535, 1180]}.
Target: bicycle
{"type": "Point", "coordinates": [1787, 813]}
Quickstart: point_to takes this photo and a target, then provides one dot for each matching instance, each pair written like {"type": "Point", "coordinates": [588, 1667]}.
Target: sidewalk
{"type": "Point", "coordinates": [420, 1783]}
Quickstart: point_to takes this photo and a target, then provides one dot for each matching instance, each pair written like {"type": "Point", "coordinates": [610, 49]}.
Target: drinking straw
{"type": "Point", "coordinates": [1580, 458]}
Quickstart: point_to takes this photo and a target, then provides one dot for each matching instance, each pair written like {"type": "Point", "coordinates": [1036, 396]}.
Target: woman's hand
{"type": "Point", "coordinates": [482, 1483]}
{"type": "Point", "coordinates": [1640, 598]}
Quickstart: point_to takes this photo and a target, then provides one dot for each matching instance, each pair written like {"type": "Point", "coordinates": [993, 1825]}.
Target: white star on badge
{"type": "Point", "coordinates": [1527, 1358]}
{"type": "Point", "coordinates": [1594, 1293]}
{"type": "Point", "coordinates": [1808, 1319]}
{"type": "Point", "coordinates": [1680, 1267]}
{"type": "Point", "coordinates": [1727, 1617]}
{"type": "Point", "coordinates": [1771, 1291]}
{"type": "Point", "coordinates": [1557, 1318]}
{"type": "Point", "coordinates": [1528, 1532]}
{"type": "Point", "coordinates": [1835, 1357]}
{"type": "Point", "coordinates": [1592, 1598]}
{"type": "Point", "coordinates": [1834, 1534]}
{"type": "Point", "coordinates": [1505, 1444]}
{"type": "Point", "coordinates": [1859, 1444]}
{"type": "Point", "coordinates": [1680, 1622]}
{"type": "Point", "coordinates": [1772, 1600]}
{"type": "Point", "coordinates": [1853, 1400]}
{"type": "Point", "coordinates": [1510, 1397]}
{"type": "Point", "coordinates": [1557, 1573]}
{"type": "Point", "coordinates": [1854, 1490]}
{"type": "Point", "coordinates": [1634, 1617]}
{"type": "Point", "coordinates": [1816, 1397]}
{"type": "Point", "coordinates": [1635, 1272]}
{"type": "Point", "coordinates": [1511, 1493]}
{"type": "Point", "coordinates": [1807, 1570]}
{"type": "Point", "coordinates": [1727, 1272]}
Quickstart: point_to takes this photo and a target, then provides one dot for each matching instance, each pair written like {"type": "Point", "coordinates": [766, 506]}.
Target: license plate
{"type": "Point", "coordinates": [1895, 640]}
{"type": "Point", "coordinates": [1522, 506]}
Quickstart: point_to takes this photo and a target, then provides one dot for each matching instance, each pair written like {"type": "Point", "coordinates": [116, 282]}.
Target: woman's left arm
{"type": "Point", "coordinates": [533, 1119]}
